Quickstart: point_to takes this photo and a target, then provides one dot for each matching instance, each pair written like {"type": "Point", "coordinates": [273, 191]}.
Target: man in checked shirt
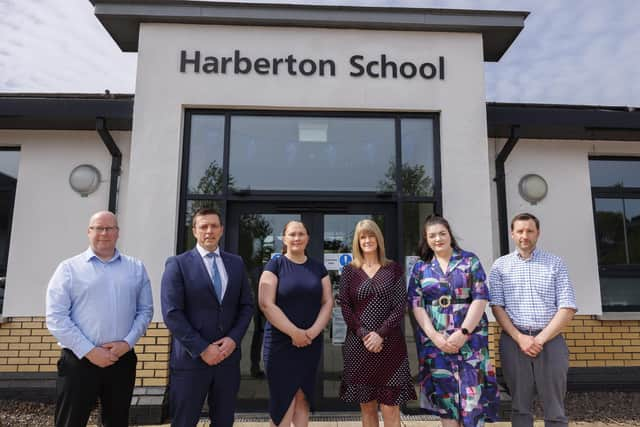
{"type": "Point", "coordinates": [532, 299]}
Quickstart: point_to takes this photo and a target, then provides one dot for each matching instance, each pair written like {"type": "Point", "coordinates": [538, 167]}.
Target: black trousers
{"type": "Point", "coordinates": [80, 383]}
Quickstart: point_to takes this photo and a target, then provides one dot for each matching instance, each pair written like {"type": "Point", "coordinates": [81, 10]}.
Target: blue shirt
{"type": "Point", "coordinates": [91, 302]}
{"type": "Point", "coordinates": [531, 290]}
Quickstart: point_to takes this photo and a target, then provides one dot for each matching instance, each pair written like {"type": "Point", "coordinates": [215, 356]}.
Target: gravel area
{"type": "Point", "coordinates": [605, 407]}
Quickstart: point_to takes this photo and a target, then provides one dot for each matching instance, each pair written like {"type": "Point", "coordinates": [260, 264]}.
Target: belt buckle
{"type": "Point", "coordinates": [444, 301]}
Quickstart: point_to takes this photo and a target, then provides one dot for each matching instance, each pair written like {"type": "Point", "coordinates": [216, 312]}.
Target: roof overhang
{"type": "Point", "coordinates": [65, 111]}
{"type": "Point", "coordinates": [579, 122]}
{"type": "Point", "coordinates": [534, 121]}
{"type": "Point", "coordinates": [122, 19]}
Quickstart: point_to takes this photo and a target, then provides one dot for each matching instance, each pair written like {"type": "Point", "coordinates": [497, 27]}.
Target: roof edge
{"type": "Point", "coordinates": [122, 19]}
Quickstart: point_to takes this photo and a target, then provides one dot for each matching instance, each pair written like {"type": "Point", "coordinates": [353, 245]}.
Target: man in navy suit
{"type": "Point", "coordinates": [207, 305]}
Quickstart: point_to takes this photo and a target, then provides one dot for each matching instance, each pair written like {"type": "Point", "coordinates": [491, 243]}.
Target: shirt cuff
{"type": "Point", "coordinates": [81, 350]}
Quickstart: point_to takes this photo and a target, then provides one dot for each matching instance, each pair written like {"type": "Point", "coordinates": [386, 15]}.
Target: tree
{"type": "Point", "coordinates": [414, 180]}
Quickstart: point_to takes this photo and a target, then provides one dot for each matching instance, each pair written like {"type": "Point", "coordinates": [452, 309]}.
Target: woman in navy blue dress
{"type": "Point", "coordinates": [295, 296]}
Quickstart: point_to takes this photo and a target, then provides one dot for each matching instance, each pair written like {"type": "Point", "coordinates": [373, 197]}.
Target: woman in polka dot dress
{"type": "Point", "coordinates": [448, 294]}
{"type": "Point", "coordinates": [372, 297]}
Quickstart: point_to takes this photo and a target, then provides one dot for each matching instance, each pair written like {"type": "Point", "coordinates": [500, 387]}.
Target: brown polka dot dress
{"type": "Point", "coordinates": [374, 304]}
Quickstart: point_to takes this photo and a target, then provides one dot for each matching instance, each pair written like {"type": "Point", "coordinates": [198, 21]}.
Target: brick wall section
{"type": "Point", "coordinates": [27, 346]}
{"type": "Point", "coordinates": [593, 343]}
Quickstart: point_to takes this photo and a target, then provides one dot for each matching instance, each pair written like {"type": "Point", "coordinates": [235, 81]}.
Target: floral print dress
{"type": "Point", "coordinates": [460, 386]}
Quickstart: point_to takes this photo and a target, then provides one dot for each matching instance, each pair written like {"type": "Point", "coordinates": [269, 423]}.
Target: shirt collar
{"type": "Point", "coordinates": [89, 255]}
{"type": "Point", "coordinates": [203, 252]}
{"type": "Point", "coordinates": [534, 254]}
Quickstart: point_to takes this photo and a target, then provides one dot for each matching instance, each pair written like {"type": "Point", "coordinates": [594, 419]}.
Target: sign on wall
{"type": "Point", "coordinates": [379, 67]}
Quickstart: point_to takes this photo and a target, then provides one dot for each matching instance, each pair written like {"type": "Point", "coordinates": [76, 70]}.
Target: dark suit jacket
{"type": "Point", "coordinates": [192, 312]}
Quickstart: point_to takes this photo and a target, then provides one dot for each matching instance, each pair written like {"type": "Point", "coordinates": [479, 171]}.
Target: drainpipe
{"type": "Point", "coordinates": [116, 161]}
{"type": "Point", "coordinates": [500, 179]}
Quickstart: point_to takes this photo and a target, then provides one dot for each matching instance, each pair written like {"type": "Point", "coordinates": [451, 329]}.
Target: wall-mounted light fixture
{"type": "Point", "coordinates": [84, 179]}
{"type": "Point", "coordinates": [533, 188]}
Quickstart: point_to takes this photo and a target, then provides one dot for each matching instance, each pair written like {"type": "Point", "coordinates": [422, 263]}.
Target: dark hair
{"type": "Point", "coordinates": [426, 253]}
{"type": "Point", "coordinates": [284, 230]}
{"type": "Point", "coordinates": [525, 217]}
{"type": "Point", "coordinates": [203, 212]}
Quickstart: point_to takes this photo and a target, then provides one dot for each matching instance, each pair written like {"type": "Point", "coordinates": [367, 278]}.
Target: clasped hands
{"type": "Point", "coordinates": [452, 343]}
{"type": "Point", "coordinates": [530, 345]}
{"type": "Point", "coordinates": [301, 338]}
{"type": "Point", "coordinates": [373, 342]}
{"type": "Point", "coordinates": [217, 351]}
{"type": "Point", "coordinates": [108, 353]}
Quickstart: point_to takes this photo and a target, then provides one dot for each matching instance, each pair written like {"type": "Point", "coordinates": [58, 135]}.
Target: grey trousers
{"type": "Point", "coordinates": [545, 374]}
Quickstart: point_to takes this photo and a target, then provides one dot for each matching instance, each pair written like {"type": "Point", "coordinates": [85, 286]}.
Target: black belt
{"type": "Point", "coordinates": [446, 300]}
{"type": "Point", "coordinates": [529, 331]}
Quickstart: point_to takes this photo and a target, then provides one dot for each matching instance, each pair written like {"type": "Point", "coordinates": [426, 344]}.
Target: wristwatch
{"type": "Point", "coordinates": [465, 331]}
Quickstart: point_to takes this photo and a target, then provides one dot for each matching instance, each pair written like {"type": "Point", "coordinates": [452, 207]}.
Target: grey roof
{"type": "Point", "coordinates": [65, 111]}
{"type": "Point", "coordinates": [122, 19]}
{"type": "Point", "coordinates": [534, 121]}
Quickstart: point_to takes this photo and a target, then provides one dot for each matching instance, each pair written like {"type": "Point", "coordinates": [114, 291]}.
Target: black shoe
{"type": "Point", "coordinates": [257, 373]}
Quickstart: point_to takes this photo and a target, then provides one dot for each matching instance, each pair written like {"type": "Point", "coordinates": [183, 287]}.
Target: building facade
{"type": "Point", "coordinates": [328, 115]}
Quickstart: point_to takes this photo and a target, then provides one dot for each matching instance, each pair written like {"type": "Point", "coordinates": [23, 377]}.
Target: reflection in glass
{"type": "Point", "coordinates": [632, 215]}
{"type": "Point", "coordinates": [610, 232]}
{"type": "Point", "coordinates": [414, 215]}
{"type": "Point", "coordinates": [614, 173]}
{"type": "Point", "coordinates": [260, 237]}
{"type": "Point", "coordinates": [310, 154]}
{"type": "Point", "coordinates": [9, 160]}
{"type": "Point", "coordinates": [206, 150]}
{"type": "Point", "coordinates": [620, 293]}
{"type": "Point", "coordinates": [417, 170]}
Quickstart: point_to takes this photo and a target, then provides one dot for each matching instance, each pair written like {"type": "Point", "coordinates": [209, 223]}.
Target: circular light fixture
{"type": "Point", "coordinates": [532, 188]}
{"type": "Point", "coordinates": [84, 179]}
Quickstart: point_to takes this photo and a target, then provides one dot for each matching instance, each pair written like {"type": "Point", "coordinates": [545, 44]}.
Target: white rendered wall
{"type": "Point", "coordinates": [49, 219]}
{"type": "Point", "coordinates": [162, 93]}
{"type": "Point", "coordinates": [566, 214]}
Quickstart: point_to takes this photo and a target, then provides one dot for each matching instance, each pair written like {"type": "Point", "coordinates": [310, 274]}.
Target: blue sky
{"type": "Point", "coordinates": [570, 51]}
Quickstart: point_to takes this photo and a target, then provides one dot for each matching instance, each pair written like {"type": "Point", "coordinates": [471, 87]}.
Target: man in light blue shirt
{"type": "Point", "coordinates": [532, 299]}
{"type": "Point", "coordinates": [98, 305]}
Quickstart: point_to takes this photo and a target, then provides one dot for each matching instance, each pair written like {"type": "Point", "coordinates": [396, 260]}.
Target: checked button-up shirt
{"type": "Point", "coordinates": [531, 290]}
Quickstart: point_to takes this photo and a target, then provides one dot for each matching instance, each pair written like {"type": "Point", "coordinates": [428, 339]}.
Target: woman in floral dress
{"type": "Point", "coordinates": [372, 298]}
{"type": "Point", "coordinates": [448, 294]}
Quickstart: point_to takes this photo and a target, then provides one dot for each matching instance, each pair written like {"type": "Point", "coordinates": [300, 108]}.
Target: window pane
{"type": "Point", "coordinates": [413, 217]}
{"type": "Point", "coordinates": [610, 232]}
{"type": "Point", "coordinates": [620, 293]}
{"type": "Point", "coordinates": [9, 161]}
{"type": "Point", "coordinates": [614, 173]}
{"type": "Point", "coordinates": [417, 157]}
{"type": "Point", "coordinates": [206, 150]}
{"type": "Point", "coordinates": [632, 213]}
{"type": "Point", "coordinates": [311, 153]}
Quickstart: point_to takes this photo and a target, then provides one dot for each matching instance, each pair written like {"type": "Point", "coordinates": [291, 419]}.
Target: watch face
{"type": "Point", "coordinates": [465, 331]}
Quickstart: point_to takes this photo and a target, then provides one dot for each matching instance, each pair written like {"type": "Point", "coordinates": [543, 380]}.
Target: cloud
{"type": "Point", "coordinates": [577, 52]}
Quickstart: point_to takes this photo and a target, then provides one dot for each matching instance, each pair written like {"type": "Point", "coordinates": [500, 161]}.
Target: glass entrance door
{"type": "Point", "coordinates": [254, 231]}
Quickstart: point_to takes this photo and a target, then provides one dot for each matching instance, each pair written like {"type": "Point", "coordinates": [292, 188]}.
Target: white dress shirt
{"type": "Point", "coordinates": [224, 278]}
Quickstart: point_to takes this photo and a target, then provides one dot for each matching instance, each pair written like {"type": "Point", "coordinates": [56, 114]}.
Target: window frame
{"type": "Point", "coordinates": [226, 196]}
{"type": "Point", "coordinates": [599, 192]}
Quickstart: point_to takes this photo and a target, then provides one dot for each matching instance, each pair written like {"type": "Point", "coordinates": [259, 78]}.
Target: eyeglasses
{"type": "Point", "coordinates": [103, 229]}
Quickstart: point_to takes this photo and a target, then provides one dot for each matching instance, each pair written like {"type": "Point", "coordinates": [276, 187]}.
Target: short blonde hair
{"type": "Point", "coordinates": [367, 226]}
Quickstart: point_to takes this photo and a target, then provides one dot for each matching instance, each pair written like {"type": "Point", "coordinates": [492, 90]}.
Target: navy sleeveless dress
{"type": "Point", "coordinates": [290, 368]}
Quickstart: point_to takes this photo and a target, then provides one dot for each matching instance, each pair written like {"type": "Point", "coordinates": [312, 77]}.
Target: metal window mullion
{"type": "Point", "coordinates": [624, 231]}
